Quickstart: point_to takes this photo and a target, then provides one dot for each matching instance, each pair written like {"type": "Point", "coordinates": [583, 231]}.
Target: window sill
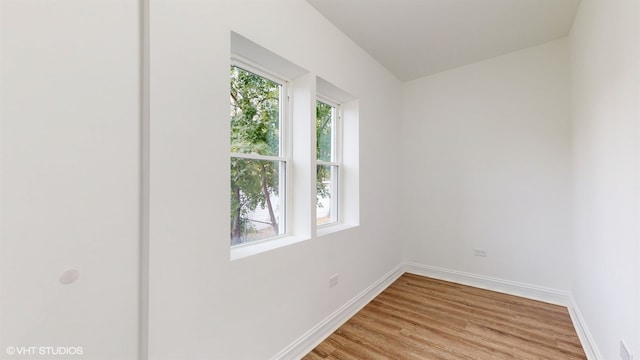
{"type": "Point", "coordinates": [246, 250]}
{"type": "Point", "coordinates": [333, 228]}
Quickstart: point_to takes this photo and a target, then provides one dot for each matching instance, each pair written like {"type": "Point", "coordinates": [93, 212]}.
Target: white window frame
{"type": "Point", "coordinates": [284, 145]}
{"type": "Point", "coordinates": [336, 155]}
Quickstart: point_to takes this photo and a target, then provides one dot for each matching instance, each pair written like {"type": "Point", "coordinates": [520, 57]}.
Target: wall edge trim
{"type": "Point", "coordinates": [305, 343]}
{"type": "Point", "coordinates": [558, 297]}
{"type": "Point", "coordinates": [326, 327]}
{"type": "Point", "coordinates": [534, 292]}
{"type": "Point", "coordinates": [585, 336]}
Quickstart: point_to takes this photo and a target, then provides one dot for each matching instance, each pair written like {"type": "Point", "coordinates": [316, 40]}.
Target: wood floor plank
{"type": "Point", "coordinates": [422, 318]}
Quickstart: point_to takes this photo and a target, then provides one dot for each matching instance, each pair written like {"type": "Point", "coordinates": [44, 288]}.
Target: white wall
{"type": "Point", "coordinates": [202, 305]}
{"type": "Point", "coordinates": [69, 176]}
{"type": "Point", "coordinates": [71, 181]}
{"type": "Point", "coordinates": [485, 165]}
{"type": "Point", "coordinates": [605, 71]}
{"type": "Point", "coordinates": [484, 151]}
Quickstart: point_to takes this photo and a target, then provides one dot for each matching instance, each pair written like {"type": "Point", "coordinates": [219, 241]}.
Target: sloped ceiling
{"type": "Point", "coordinates": [416, 38]}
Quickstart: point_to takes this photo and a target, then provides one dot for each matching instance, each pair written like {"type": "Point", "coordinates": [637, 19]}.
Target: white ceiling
{"type": "Point", "coordinates": [415, 38]}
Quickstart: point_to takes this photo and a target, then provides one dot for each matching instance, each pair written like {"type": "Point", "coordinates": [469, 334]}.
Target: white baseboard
{"type": "Point", "coordinates": [318, 333]}
{"type": "Point", "coordinates": [588, 343]}
{"type": "Point", "coordinates": [305, 343]}
{"type": "Point", "coordinates": [534, 292]}
{"type": "Point", "coordinates": [548, 295]}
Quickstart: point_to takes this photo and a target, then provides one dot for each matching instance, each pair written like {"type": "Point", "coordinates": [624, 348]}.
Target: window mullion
{"type": "Point", "coordinates": [258, 157]}
{"type": "Point", "coordinates": [327, 163]}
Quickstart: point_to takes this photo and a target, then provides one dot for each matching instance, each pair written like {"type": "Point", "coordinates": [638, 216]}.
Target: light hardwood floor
{"type": "Point", "coordinates": [423, 318]}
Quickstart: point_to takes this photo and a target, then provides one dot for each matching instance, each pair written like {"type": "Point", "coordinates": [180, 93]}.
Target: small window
{"type": "Point", "coordinates": [258, 158]}
{"type": "Point", "coordinates": [327, 162]}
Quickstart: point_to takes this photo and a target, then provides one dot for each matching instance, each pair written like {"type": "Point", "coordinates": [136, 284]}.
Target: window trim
{"type": "Point", "coordinates": [336, 155]}
{"type": "Point", "coordinates": [252, 67]}
{"type": "Point", "coordinates": [284, 146]}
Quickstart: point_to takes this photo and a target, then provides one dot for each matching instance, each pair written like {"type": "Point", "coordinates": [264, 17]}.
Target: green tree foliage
{"type": "Point", "coordinates": [324, 122]}
{"type": "Point", "coordinates": [255, 129]}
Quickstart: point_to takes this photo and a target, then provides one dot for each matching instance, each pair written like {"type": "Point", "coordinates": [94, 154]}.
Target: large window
{"type": "Point", "coordinates": [258, 155]}
{"type": "Point", "coordinates": [280, 173]}
{"type": "Point", "coordinates": [328, 162]}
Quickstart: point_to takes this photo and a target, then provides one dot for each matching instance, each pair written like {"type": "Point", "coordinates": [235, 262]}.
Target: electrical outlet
{"type": "Point", "coordinates": [624, 352]}
{"type": "Point", "coordinates": [333, 281]}
{"type": "Point", "coordinates": [479, 252]}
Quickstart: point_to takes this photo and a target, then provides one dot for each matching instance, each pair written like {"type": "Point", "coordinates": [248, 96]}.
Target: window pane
{"type": "Point", "coordinates": [325, 115]}
{"type": "Point", "coordinates": [255, 113]}
{"type": "Point", "coordinates": [257, 199]}
{"type": "Point", "coordinates": [326, 194]}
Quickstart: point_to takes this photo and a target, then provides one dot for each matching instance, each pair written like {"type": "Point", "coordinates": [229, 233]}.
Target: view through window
{"type": "Point", "coordinates": [258, 162]}
{"type": "Point", "coordinates": [327, 163]}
